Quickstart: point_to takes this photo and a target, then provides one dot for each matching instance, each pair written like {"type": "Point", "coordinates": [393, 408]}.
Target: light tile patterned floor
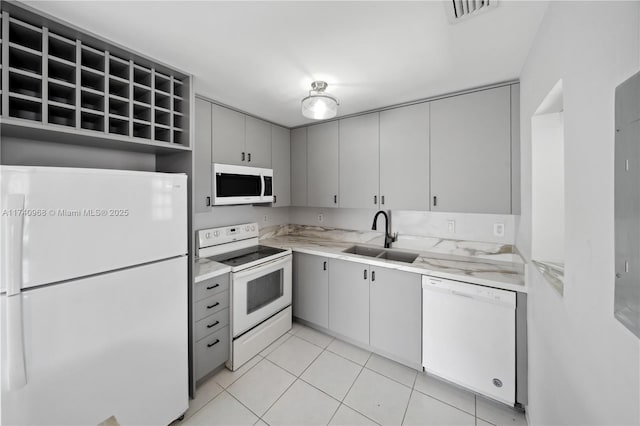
{"type": "Point", "coordinates": [309, 378]}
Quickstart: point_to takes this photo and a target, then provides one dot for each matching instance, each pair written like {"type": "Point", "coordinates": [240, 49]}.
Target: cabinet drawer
{"type": "Point", "coordinates": [211, 352]}
{"type": "Point", "coordinates": [210, 287]}
{"type": "Point", "coordinates": [210, 305]}
{"type": "Point", "coordinates": [210, 324]}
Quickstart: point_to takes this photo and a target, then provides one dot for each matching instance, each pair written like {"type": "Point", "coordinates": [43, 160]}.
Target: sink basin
{"type": "Point", "coordinates": [364, 251]}
{"type": "Point", "coordinates": [397, 256]}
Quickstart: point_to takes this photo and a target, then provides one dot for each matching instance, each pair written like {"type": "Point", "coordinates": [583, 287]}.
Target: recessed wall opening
{"type": "Point", "coordinates": [548, 192]}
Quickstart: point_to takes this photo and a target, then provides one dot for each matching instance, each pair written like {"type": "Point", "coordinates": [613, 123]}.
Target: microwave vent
{"type": "Point", "coordinates": [459, 10]}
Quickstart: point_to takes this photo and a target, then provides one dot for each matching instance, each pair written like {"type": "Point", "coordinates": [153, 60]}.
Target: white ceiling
{"type": "Point", "coordinates": [261, 57]}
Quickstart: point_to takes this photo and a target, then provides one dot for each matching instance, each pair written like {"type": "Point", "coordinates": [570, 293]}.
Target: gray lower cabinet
{"type": "Point", "coordinates": [396, 314]}
{"type": "Point", "coordinates": [349, 299]}
{"type": "Point", "coordinates": [299, 167]}
{"type": "Point", "coordinates": [471, 152]}
{"type": "Point", "coordinates": [210, 314]}
{"type": "Point", "coordinates": [311, 288]}
{"type": "Point", "coordinates": [322, 167]}
{"type": "Point", "coordinates": [202, 167]}
{"type": "Point", "coordinates": [281, 163]}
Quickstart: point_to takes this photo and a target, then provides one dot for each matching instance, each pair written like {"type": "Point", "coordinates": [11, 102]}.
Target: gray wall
{"type": "Point", "coordinates": [584, 366]}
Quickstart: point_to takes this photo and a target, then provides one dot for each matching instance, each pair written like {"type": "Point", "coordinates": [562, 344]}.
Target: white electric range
{"type": "Point", "coordinates": [260, 287]}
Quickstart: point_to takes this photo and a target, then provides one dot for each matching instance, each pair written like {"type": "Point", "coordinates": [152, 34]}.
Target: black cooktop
{"type": "Point", "coordinates": [250, 254]}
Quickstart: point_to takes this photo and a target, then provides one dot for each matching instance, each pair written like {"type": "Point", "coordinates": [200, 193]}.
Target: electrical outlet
{"type": "Point", "coordinates": [498, 229]}
{"type": "Point", "coordinates": [265, 218]}
{"type": "Point", "coordinates": [320, 217]}
{"type": "Point", "coordinates": [451, 226]}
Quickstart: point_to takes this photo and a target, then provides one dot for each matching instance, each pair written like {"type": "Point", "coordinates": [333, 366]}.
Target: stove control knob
{"type": "Point", "coordinates": [253, 227]}
{"type": "Point", "coordinates": [216, 233]}
{"type": "Point", "coordinates": [207, 235]}
{"type": "Point", "coordinates": [246, 228]}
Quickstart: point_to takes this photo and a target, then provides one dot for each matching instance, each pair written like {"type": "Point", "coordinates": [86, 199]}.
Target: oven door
{"type": "Point", "coordinates": [236, 184]}
{"type": "Point", "coordinates": [260, 292]}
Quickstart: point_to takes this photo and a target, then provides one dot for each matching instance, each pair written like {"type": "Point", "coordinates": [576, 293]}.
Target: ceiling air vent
{"type": "Point", "coordinates": [459, 10]}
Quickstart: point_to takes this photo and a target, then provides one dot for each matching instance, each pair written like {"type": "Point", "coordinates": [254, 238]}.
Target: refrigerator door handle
{"type": "Point", "coordinates": [12, 277]}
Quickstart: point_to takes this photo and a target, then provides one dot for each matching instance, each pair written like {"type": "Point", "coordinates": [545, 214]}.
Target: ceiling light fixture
{"type": "Point", "coordinates": [319, 105]}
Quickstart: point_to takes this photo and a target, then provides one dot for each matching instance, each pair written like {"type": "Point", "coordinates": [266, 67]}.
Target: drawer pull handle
{"type": "Point", "coordinates": [213, 325]}
{"type": "Point", "coordinates": [211, 287]}
{"type": "Point", "coordinates": [213, 306]}
{"type": "Point", "coordinates": [214, 343]}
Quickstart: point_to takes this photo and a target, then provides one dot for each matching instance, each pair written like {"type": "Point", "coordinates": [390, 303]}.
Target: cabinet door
{"type": "Point", "coordinates": [299, 167]}
{"type": "Point", "coordinates": [258, 143]}
{"type": "Point", "coordinates": [227, 136]}
{"type": "Point", "coordinates": [396, 314]}
{"type": "Point", "coordinates": [311, 288]}
{"type": "Point", "coordinates": [281, 163]}
{"type": "Point", "coordinates": [359, 161]}
{"type": "Point", "coordinates": [322, 165]}
{"type": "Point", "coordinates": [471, 152]}
{"type": "Point", "coordinates": [202, 157]}
{"type": "Point", "coordinates": [349, 299]}
{"type": "Point", "coordinates": [404, 158]}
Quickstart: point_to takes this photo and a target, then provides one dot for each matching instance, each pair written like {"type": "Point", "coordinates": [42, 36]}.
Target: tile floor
{"type": "Point", "coordinates": [309, 378]}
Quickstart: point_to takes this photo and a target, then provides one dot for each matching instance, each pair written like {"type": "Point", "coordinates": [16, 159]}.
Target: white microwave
{"type": "Point", "coordinates": [241, 185]}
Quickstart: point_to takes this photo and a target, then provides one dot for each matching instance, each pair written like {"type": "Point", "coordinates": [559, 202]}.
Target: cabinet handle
{"type": "Point", "coordinates": [211, 287]}
{"type": "Point", "coordinates": [435, 200]}
{"type": "Point", "coordinates": [243, 156]}
{"type": "Point", "coordinates": [365, 274]}
{"type": "Point", "coordinates": [213, 325]}
{"type": "Point", "coordinates": [275, 199]}
{"type": "Point", "coordinates": [382, 199]}
{"type": "Point", "coordinates": [213, 306]}
{"type": "Point", "coordinates": [324, 266]}
{"type": "Point", "coordinates": [375, 199]}
{"type": "Point", "coordinates": [249, 157]}
{"type": "Point", "coordinates": [373, 275]}
{"type": "Point", "coordinates": [214, 343]}
{"type": "Point", "coordinates": [208, 201]}
{"type": "Point", "coordinates": [335, 199]}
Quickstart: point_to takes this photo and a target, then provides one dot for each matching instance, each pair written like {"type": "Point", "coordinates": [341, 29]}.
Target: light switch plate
{"type": "Point", "coordinates": [451, 226]}
{"type": "Point", "coordinates": [498, 229]}
{"type": "Point", "coordinates": [320, 217]}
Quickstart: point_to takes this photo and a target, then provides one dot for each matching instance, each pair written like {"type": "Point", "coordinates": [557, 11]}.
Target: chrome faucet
{"type": "Point", "coordinates": [388, 238]}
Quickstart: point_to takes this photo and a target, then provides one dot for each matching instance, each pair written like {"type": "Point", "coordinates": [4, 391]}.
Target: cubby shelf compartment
{"type": "Point", "coordinates": [56, 78]}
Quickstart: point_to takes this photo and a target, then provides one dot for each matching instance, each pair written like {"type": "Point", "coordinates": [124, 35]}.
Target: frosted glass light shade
{"type": "Point", "coordinates": [319, 106]}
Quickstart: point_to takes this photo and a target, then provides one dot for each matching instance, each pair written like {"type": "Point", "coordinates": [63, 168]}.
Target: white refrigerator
{"type": "Point", "coordinates": [93, 294]}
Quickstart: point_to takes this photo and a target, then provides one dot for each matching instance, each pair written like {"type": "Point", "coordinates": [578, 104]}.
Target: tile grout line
{"type": "Point", "coordinates": [409, 401]}
{"type": "Point", "coordinates": [444, 402]}
{"type": "Point", "coordinates": [240, 402]}
{"type": "Point", "coordinates": [391, 378]}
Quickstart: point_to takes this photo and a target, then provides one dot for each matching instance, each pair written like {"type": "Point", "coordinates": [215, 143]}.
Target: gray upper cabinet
{"type": "Point", "coordinates": [257, 143]}
{"type": "Point", "coordinates": [471, 152]}
{"type": "Point", "coordinates": [359, 161]}
{"type": "Point", "coordinates": [349, 299]}
{"type": "Point", "coordinates": [322, 169]}
{"type": "Point", "coordinates": [202, 157]}
{"type": "Point", "coordinates": [228, 136]}
{"type": "Point", "coordinates": [299, 167]}
{"type": "Point", "coordinates": [281, 163]}
{"type": "Point", "coordinates": [404, 158]}
{"type": "Point", "coordinates": [396, 314]}
{"type": "Point", "coordinates": [311, 288]}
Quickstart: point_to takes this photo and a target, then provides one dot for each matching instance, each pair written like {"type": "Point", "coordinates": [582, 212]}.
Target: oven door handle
{"type": "Point", "coordinates": [260, 269]}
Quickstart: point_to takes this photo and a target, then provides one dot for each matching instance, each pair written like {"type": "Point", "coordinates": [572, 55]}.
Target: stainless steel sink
{"type": "Point", "coordinates": [398, 256]}
{"type": "Point", "coordinates": [364, 251]}
{"type": "Point", "coordinates": [378, 253]}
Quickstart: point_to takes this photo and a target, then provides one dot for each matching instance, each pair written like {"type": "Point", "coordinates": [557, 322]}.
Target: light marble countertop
{"type": "Point", "coordinates": [206, 268]}
{"type": "Point", "coordinates": [489, 264]}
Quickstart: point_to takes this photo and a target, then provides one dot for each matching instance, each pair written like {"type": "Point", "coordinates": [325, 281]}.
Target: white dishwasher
{"type": "Point", "coordinates": [469, 336]}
